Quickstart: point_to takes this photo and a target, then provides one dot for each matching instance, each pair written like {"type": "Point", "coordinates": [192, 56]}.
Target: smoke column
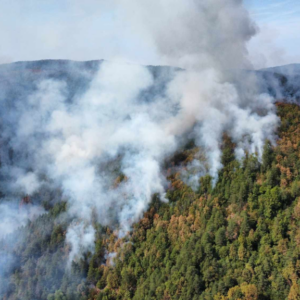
{"type": "Point", "coordinates": [130, 120]}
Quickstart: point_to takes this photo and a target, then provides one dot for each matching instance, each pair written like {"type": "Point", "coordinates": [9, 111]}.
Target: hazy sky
{"type": "Point", "coordinates": [279, 23]}
{"type": "Point", "coordinates": [91, 29]}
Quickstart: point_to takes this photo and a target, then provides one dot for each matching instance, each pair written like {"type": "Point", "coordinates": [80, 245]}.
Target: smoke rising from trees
{"type": "Point", "coordinates": [104, 148]}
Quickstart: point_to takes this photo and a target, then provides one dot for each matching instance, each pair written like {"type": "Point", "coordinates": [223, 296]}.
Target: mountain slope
{"type": "Point", "coordinates": [237, 239]}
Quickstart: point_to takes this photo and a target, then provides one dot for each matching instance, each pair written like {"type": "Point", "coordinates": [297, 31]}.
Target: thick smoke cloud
{"type": "Point", "coordinates": [193, 34]}
{"type": "Point", "coordinates": [104, 149]}
{"type": "Point", "coordinates": [114, 130]}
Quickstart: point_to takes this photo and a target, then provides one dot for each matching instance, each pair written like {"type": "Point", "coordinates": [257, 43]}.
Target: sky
{"type": "Point", "coordinates": [92, 29]}
{"type": "Point", "coordinates": [279, 31]}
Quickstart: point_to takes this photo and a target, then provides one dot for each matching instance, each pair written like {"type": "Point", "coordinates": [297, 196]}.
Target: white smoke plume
{"type": "Point", "coordinates": [193, 34]}
{"type": "Point", "coordinates": [116, 129]}
{"type": "Point", "coordinates": [81, 238]}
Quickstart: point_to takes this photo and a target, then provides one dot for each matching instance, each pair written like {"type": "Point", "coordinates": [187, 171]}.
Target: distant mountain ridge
{"type": "Point", "coordinates": [20, 78]}
{"type": "Point", "coordinates": [49, 64]}
{"type": "Point", "coordinates": [92, 64]}
{"type": "Point", "coordinates": [290, 69]}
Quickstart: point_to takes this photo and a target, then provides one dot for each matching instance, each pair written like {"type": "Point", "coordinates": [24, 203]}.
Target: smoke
{"type": "Point", "coordinates": [217, 107]}
{"type": "Point", "coordinates": [193, 34]}
{"type": "Point", "coordinates": [80, 236]}
{"type": "Point", "coordinates": [14, 216]}
{"type": "Point", "coordinates": [104, 148]}
{"type": "Point", "coordinates": [82, 147]}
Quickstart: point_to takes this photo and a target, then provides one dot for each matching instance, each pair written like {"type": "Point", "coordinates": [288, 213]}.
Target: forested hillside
{"type": "Point", "coordinates": [237, 240]}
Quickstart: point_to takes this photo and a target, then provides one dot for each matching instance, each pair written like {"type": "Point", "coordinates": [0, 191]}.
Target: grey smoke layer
{"type": "Point", "coordinates": [122, 121]}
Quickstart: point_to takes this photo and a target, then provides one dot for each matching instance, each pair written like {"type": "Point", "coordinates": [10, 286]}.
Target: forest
{"type": "Point", "coordinates": [236, 239]}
